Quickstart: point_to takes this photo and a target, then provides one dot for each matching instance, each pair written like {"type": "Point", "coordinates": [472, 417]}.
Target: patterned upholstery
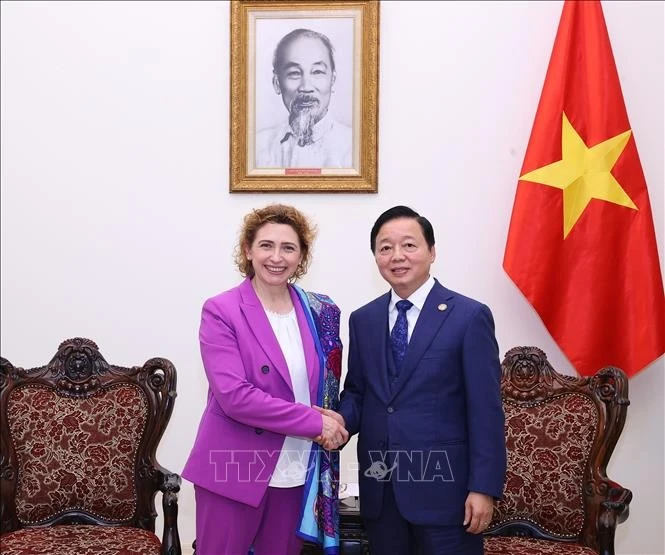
{"type": "Point", "coordinates": [548, 446]}
{"type": "Point", "coordinates": [81, 540]}
{"type": "Point", "coordinates": [78, 454]}
{"type": "Point", "coordinates": [560, 434]}
{"type": "Point", "coordinates": [503, 545]}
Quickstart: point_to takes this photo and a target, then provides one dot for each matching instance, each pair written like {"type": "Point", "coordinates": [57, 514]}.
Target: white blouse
{"type": "Point", "coordinates": [291, 466]}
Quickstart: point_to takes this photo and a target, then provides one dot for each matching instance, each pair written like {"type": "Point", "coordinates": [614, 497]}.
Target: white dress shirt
{"type": "Point", "coordinates": [292, 463]}
{"type": "Point", "coordinates": [418, 298]}
{"type": "Point", "coordinates": [331, 147]}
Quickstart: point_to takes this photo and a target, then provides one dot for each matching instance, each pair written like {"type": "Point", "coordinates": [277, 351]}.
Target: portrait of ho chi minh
{"type": "Point", "coordinates": [304, 75]}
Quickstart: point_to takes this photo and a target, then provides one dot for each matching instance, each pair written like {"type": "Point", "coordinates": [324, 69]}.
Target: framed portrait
{"type": "Point", "coordinates": [304, 96]}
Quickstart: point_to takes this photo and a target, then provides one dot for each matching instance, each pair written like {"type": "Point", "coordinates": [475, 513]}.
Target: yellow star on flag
{"type": "Point", "coordinates": [583, 173]}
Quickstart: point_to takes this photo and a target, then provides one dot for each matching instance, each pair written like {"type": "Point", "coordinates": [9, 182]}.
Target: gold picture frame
{"type": "Point", "coordinates": [311, 123]}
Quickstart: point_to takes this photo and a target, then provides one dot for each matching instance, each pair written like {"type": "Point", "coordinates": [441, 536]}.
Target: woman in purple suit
{"type": "Point", "coordinates": [263, 471]}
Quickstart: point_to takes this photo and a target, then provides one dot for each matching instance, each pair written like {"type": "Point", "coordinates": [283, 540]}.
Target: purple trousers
{"type": "Point", "coordinates": [227, 527]}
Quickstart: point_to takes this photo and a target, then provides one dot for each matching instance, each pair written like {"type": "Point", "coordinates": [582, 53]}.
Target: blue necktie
{"type": "Point", "coordinates": [399, 336]}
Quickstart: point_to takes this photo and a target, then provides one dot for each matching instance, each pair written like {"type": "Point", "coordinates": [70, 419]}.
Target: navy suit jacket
{"type": "Point", "coordinates": [437, 431]}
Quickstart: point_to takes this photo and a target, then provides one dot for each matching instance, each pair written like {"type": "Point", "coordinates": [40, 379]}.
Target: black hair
{"type": "Point", "coordinates": [402, 212]}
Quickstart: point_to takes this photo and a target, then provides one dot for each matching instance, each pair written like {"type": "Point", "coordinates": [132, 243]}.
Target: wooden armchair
{"type": "Point", "coordinates": [560, 433]}
{"type": "Point", "coordinates": [78, 473]}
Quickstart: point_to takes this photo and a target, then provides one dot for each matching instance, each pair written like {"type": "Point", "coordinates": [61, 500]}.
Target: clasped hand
{"type": "Point", "coordinates": [333, 434]}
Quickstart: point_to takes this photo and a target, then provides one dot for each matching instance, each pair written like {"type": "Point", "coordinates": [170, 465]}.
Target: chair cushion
{"type": "Point", "coordinates": [81, 540]}
{"type": "Point", "coordinates": [503, 545]}
{"type": "Point", "coordinates": [76, 453]}
{"type": "Point", "coordinates": [548, 446]}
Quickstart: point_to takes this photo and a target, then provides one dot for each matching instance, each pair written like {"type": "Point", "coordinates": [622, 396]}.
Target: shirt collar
{"type": "Point", "coordinates": [319, 130]}
{"type": "Point", "coordinates": [418, 297]}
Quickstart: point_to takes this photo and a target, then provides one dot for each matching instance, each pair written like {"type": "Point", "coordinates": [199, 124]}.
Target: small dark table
{"type": "Point", "coordinates": [353, 540]}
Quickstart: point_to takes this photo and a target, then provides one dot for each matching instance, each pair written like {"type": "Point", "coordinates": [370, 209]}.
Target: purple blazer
{"type": "Point", "coordinates": [251, 404]}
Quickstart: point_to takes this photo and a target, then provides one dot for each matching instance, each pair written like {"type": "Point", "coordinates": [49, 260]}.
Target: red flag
{"type": "Point", "coordinates": [581, 244]}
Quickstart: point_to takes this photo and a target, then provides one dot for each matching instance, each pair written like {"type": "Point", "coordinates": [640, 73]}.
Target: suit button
{"type": "Point", "coordinates": [390, 410]}
{"type": "Point", "coordinates": [259, 431]}
{"type": "Point", "coordinates": [265, 369]}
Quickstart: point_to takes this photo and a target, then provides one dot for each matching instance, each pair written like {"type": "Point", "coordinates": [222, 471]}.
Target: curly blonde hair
{"type": "Point", "coordinates": [275, 214]}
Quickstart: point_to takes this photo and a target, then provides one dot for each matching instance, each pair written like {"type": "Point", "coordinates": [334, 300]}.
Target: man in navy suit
{"type": "Point", "coordinates": [423, 393]}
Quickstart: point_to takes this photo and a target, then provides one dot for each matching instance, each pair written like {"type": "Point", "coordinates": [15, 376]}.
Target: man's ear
{"type": "Point", "coordinates": [275, 84]}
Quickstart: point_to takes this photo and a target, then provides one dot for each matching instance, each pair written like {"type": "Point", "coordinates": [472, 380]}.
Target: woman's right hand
{"type": "Point", "coordinates": [333, 433]}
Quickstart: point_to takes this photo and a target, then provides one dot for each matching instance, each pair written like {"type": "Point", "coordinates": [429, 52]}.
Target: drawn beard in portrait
{"type": "Point", "coordinates": [304, 112]}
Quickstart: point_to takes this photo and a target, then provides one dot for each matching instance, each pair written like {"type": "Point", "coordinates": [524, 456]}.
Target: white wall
{"type": "Point", "coordinates": [116, 217]}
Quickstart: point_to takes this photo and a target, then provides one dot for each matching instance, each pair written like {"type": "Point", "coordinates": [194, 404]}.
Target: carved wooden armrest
{"type": "Point", "coordinates": [170, 486]}
{"type": "Point", "coordinates": [618, 501]}
{"type": "Point", "coordinates": [614, 510]}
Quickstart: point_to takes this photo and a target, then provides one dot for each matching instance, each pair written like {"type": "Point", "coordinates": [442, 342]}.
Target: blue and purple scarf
{"type": "Point", "coordinates": [319, 519]}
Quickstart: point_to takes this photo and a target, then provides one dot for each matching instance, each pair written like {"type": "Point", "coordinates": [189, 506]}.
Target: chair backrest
{"type": "Point", "coordinates": [79, 437]}
{"type": "Point", "coordinates": [560, 433]}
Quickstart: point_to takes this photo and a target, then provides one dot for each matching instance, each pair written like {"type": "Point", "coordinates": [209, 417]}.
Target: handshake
{"type": "Point", "coordinates": [334, 434]}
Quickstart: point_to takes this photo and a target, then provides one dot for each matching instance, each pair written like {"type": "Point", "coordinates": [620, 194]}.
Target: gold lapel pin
{"type": "Point", "coordinates": [442, 307]}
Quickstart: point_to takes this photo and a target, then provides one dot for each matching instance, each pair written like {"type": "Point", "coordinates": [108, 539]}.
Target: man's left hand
{"type": "Point", "coordinates": [478, 511]}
